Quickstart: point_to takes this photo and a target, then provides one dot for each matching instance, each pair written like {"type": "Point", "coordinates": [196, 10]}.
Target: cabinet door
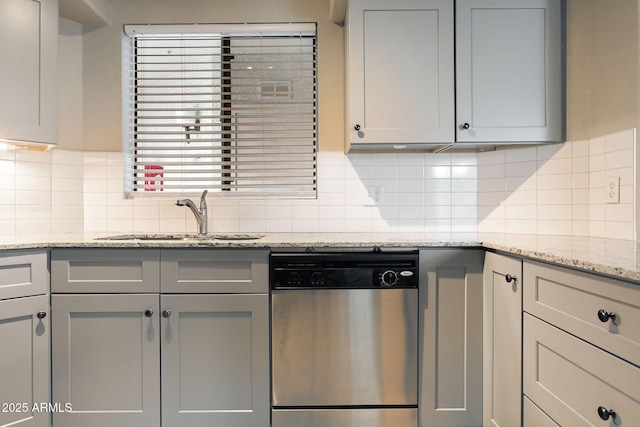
{"type": "Point", "coordinates": [24, 362]}
{"type": "Point", "coordinates": [29, 72]}
{"type": "Point", "coordinates": [451, 338]}
{"type": "Point", "coordinates": [502, 354]}
{"type": "Point", "coordinates": [215, 360]}
{"type": "Point", "coordinates": [400, 79]}
{"type": "Point", "coordinates": [106, 360]}
{"type": "Point", "coordinates": [509, 70]}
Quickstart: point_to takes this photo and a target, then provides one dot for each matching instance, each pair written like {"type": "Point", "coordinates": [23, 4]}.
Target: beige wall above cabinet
{"type": "Point", "coordinates": [29, 72]}
{"type": "Point", "coordinates": [404, 87]}
{"type": "Point", "coordinates": [88, 12]}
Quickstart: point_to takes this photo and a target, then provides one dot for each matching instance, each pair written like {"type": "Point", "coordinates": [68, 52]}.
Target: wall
{"type": "Point", "coordinates": [102, 58]}
{"type": "Point", "coordinates": [602, 67]}
{"type": "Point", "coordinates": [553, 190]}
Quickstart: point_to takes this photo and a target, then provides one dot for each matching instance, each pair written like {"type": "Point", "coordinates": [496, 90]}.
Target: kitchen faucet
{"type": "Point", "coordinates": [200, 214]}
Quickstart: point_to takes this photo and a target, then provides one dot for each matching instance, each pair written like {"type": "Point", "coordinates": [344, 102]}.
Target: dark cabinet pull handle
{"type": "Point", "coordinates": [605, 413]}
{"type": "Point", "coordinates": [41, 314]}
{"type": "Point", "coordinates": [166, 313]}
{"type": "Point", "coordinates": [509, 278]}
{"type": "Point", "coordinates": [148, 312]}
{"type": "Point", "coordinates": [356, 128]}
{"type": "Point", "coordinates": [605, 316]}
{"type": "Point", "coordinates": [466, 126]}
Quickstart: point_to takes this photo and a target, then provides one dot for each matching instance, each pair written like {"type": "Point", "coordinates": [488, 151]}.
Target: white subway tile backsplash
{"type": "Point", "coordinates": [548, 189]}
{"type": "Point", "coordinates": [564, 193]}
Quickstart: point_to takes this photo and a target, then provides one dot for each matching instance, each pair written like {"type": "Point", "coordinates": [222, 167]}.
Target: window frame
{"type": "Point", "coordinates": [132, 173]}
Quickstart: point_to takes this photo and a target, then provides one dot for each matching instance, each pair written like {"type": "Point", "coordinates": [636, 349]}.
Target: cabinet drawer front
{"type": "Point", "coordinates": [571, 300]}
{"type": "Point", "coordinates": [23, 274]}
{"type": "Point", "coordinates": [534, 417]}
{"type": "Point", "coordinates": [570, 379]}
{"type": "Point", "coordinates": [105, 271]}
{"type": "Point", "coordinates": [214, 271]}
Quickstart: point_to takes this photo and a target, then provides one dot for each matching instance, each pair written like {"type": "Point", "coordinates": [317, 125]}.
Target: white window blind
{"type": "Point", "coordinates": [226, 108]}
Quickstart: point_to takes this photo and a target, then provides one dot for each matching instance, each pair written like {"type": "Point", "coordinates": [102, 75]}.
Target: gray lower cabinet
{"type": "Point", "coordinates": [451, 337]}
{"type": "Point", "coordinates": [24, 362]}
{"type": "Point", "coordinates": [162, 359]}
{"type": "Point", "coordinates": [106, 359]}
{"type": "Point", "coordinates": [581, 347]}
{"type": "Point", "coordinates": [502, 355]}
{"type": "Point", "coordinates": [24, 339]}
{"type": "Point", "coordinates": [215, 360]}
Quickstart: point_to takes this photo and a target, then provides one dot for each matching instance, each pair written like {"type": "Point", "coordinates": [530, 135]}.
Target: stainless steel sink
{"type": "Point", "coordinates": [235, 236]}
{"type": "Point", "coordinates": [185, 237]}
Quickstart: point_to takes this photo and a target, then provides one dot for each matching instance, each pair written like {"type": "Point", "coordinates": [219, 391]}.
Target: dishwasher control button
{"type": "Point", "coordinates": [389, 278]}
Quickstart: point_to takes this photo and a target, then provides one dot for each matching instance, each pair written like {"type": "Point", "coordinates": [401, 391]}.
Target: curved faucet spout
{"type": "Point", "coordinates": [200, 214]}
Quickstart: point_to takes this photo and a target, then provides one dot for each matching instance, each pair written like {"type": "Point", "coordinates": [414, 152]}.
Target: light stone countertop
{"type": "Point", "coordinates": [616, 258]}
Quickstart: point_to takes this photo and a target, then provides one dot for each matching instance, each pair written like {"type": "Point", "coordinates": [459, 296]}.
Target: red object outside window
{"type": "Point", "coordinates": [151, 182]}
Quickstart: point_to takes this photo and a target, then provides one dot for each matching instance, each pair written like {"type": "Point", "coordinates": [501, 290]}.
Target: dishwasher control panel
{"type": "Point", "coordinates": [350, 270]}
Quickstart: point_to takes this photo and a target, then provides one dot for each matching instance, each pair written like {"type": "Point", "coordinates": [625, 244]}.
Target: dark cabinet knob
{"type": "Point", "coordinates": [148, 312]}
{"type": "Point", "coordinates": [356, 128]}
{"type": "Point", "coordinates": [41, 314]}
{"type": "Point", "coordinates": [166, 313]}
{"type": "Point", "coordinates": [605, 413]}
{"type": "Point", "coordinates": [605, 316]}
{"type": "Point", "coordinates": [509, 278]}
{"type": "Point", "coordinates": [465, 126]}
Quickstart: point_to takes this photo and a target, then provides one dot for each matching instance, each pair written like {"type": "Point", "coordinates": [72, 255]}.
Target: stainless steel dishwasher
{"type": "Point", "coordinates": [345, 338]}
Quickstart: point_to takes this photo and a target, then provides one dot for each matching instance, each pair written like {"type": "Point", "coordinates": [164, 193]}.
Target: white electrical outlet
{"type": "Point", "coordinates": [375, 195]}
{"type": "Point", "coordinates": [613, 189]}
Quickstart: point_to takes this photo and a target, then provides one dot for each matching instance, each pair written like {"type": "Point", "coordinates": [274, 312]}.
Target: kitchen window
{"type": "Point", "coordinates": [227, 108]}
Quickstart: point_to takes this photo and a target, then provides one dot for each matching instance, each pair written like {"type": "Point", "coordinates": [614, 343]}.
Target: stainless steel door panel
{"type": "Point", "coordinates": [402, 417]}
{"type": "Point", "coordinates": [344, 347]}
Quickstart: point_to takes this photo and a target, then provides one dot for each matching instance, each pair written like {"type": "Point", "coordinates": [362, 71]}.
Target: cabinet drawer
{"type": "Point", "coordinates": [23, 274]}
{"type": "Point", "coordinates": [214, 271]}
{"type": "Point", "coordinates": [534, 417]}
{"type": "Point", "coordinates": [570, 379]}
{"type": "Point", "coordinates": [571, 301]}
{"type": "Point", "coordinates": [105, 271]}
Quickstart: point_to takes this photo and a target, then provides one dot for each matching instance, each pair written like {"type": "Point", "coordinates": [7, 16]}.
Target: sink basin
{"type": "Point", "coordinates": [235, 236]}
{"type": "Point", "coordinates": [150, 237]}
{"type": "Point", "coordinates": [184, 237]}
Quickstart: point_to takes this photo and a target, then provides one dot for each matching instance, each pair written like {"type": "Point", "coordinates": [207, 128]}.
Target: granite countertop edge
{"type": "Point", "coordinates": [609, 257]}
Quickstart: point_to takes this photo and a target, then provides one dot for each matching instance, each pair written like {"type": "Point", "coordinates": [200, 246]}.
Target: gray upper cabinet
{"type": "Point", "coordinates": [509, 78]}
{"type": "Point", "coordinates": [29, 72]}
{"type": "Point", "coordinates": [404, 86]}
{"type": "Point", "coordinates": [400, 75]}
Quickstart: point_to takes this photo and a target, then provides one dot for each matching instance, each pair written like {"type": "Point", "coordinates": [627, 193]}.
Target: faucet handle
{"type": "Point", "coordinates": [203, 202]}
